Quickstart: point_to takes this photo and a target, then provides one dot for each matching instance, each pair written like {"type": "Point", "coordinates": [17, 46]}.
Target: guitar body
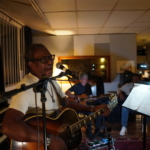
{"type": "Point", "coordinates": [64, 124]}
{"type": "Point", "coordinates": [82, 97]}
{"type": "Point", "coordinates": [58, 125]}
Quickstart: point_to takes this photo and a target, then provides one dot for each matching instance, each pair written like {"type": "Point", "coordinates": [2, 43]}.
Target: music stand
{"type": "Point", "coordinates": [140, 88]}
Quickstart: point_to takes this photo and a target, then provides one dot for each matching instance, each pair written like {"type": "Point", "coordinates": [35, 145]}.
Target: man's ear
{"type": "Point", "coordinates": [31, 64]}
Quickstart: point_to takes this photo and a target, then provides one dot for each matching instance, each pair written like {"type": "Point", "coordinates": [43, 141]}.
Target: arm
{"type": "Point", "coordinates": [14, 127]}
{"type": "Point", "coordinates": [122, 92]}
{"type": "Point", "coordinates": [87, 108]}
{"type": "Point", "coordinates": [68, 93]}
{"type": "Point", "coordinates": [13, 124]}
{"type": "Point", "coordinates": [72, 96]}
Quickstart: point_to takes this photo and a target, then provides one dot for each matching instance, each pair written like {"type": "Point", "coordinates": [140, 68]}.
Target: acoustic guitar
{"type": "Point", "coordinates": [66, 125]}
{"type": "Point", "coordinates": [84, 98]}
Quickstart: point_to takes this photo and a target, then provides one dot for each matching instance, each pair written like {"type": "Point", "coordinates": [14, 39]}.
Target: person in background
{"type": "Point", "coordinates": [40, 63]}
{"type": "Point", "coordinates": [83, 90]}
{"type": "Point", "coordinates": [123, 93]}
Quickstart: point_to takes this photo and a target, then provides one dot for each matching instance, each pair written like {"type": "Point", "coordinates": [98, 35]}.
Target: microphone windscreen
{"type": "Point", "coordinates": [58, 65]}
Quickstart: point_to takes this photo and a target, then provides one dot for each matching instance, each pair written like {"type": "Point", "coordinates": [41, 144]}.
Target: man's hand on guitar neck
{"type": "Point", "coordinates": [105, 109]}
{"type": "Point", "coordinates": [57, 143]}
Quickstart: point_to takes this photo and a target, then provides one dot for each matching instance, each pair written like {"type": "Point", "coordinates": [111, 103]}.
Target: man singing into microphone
{"type": "Point", "coordinates": [40, 62]}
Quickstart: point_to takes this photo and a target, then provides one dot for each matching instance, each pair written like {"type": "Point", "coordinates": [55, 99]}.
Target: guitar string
{"type": "Point", "coordinates": [87, 119]}
{"type": "Point", "coordinates": [73, 126]}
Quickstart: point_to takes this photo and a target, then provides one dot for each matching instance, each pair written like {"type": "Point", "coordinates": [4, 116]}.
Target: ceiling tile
{"type": "Point", "coordinates": [144, 18]}
{"type": "Point", "coordinates": [56, 5]}
{"type": "Point", "coordinates": [133, 30]}
{"type": "Point", "coordinates": [92, 19]}
{"type": "Point", "coordinates": [141, 24]}
{"type": "Point", "coordinates": [133, 5]}
{"type": "Point", "coordinates": [89, 31]}
{"type": "Point", "coordinates": [122, 18]}
{"type": "Point", "coordinates": [95, 4]}
{"type": "Point", "coordinates": [69, 17]}
{"type": "Point", "coordinates": [62, 20]}
{"type": "Point", "coordinates": [146, 31]}
{"type": "Point", "coordinates": [111, 30]}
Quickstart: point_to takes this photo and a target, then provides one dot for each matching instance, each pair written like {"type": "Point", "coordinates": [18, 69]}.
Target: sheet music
{"type": "Point", "coordinates": [144, 107]}
{"type": "Point", "coordinates": [139, 99]}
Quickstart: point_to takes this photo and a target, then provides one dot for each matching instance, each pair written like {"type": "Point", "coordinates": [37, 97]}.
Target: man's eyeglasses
{"type": "Point", "coordinates": [45, 59]}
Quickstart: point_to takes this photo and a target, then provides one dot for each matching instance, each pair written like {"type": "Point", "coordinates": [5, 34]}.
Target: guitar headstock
{"type": "Point", "coordinates": [113, 101]}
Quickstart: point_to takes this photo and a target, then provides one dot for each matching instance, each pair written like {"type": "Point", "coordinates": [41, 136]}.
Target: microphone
{"type": "Point", "coordinates": [59, 65]}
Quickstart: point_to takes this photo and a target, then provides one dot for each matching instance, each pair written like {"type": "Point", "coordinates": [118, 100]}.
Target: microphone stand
{"type": "Point", "coordinates": [7, 95]}
{"type": "Point", "coordinates": [41, 87]}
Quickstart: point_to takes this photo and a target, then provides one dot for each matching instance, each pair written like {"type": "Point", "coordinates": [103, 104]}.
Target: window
{"type": "Point", "coordinates": [11, 51]}
{"type": "Point", "coordinates": [94, 66]}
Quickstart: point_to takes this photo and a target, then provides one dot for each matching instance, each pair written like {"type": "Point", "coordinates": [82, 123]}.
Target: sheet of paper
{"type": "Point", "coordinates": [145, 105]}
{"type": "Point", "coordinates": [137, 96]}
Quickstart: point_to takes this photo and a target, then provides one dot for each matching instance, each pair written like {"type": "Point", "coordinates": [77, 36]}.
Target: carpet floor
{"type": "Point", "coordinates": [119, 144]}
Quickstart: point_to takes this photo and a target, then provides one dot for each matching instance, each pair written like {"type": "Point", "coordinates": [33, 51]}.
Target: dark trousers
{"type": "Point", "coordinates": [102, 100]}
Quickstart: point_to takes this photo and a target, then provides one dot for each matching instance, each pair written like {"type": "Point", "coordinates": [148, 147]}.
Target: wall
{"type": "Point", "coordinates": [118, 46]}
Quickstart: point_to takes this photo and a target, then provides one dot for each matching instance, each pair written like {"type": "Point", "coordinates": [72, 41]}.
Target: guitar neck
{"type": "Point", "coordinates": [76, 126]}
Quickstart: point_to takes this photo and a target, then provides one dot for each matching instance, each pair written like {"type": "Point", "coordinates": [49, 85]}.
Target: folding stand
{"type": "Point", "coordinates": [144, 132]}
{"type": "Point", "coordinates": [131, 99]}
{"type": "Point", "coordinates": [109, 138]}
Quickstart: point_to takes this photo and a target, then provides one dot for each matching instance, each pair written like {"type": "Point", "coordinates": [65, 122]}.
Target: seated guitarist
{"type": "Point", "coordinates": [123, 92]}
{"type": "Point", "coordinates": [83, 88]}
{"type": "Point", "coordinates": [40, 62]}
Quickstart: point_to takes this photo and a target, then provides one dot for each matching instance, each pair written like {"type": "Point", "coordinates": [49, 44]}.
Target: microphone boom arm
{"type": "Point", "coordinates": [7, 95]}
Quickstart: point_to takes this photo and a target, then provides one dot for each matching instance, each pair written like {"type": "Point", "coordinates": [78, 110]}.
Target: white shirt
{"type": "Point", "coordinates": [25, 101]}
{"type": "Point", "coordinates": [126, 88]}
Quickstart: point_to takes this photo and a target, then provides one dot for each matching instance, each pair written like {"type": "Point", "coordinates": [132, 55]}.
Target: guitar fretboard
{"type": "Point", "coordinates": [83, 122]}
